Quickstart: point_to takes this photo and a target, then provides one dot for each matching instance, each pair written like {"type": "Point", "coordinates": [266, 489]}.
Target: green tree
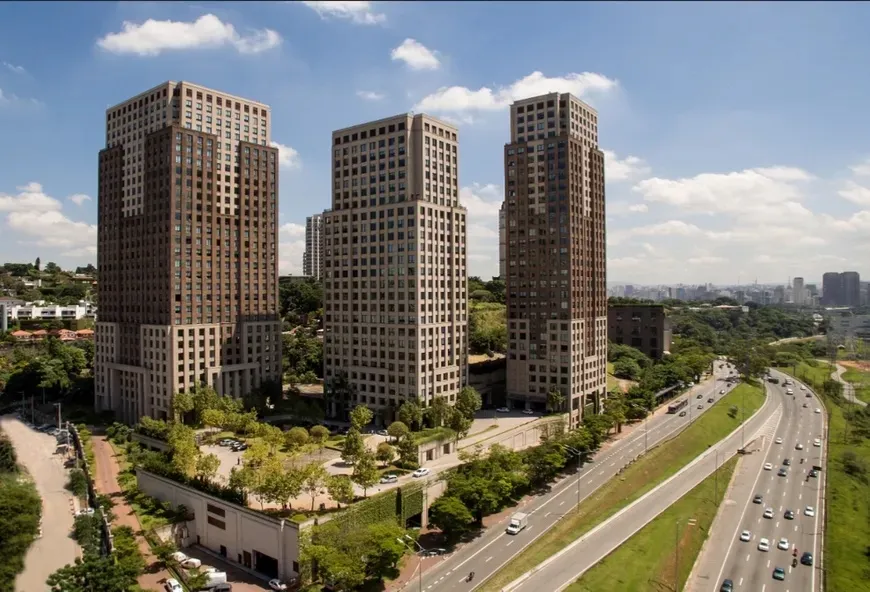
{"type": "Point", "coordinates": [468, 402]}
{"type": "Point", "coordinates": [438, 412]}
{"type": "Point", "coordinates": [20, 510]}
{"type": "Point", "coordinates": [459, 423]}
{"type": "Point", "coordinates": [296, 438]}
{"type": "Point", "coordinates": [256, 454]}
{"type": "Point", "coordinates": [451, 516]}
{"type": "Point", "coordinates": [544, 462]}
{"type": "Point", "coordinates": [408, 453]}
{"type": "Point", "coordinates": [340, 489]}
{"type": "Point", "coordinates": [365, 471]}
{"type": "Point", "coordinates": [627, 368]}
{"type": "Point", "coordinates": [272, 436]}
{"type": "Point", "coordinates": [183, 448]}
{"type": "Point", "coordinates": [93, 573]}
{"type": "Point", "coordinates": [182, 404]}
{"type": "Point", "coordinates": [385, 453]}
{"type": "Point", "coordinates": [77, 483]}
{"type": "Point", "coordinates": [353, 447]}
{"type": "Point", "coordinates": [398, 430]}
{"type": "Point", "coordinates": [207, 467]}
{"type": "Point", "coordinates": [597, 426]}
{"type": "Point", "coordinates": [614, 410]}
{"type": "Point", "coordinates": [314, 478]}
{"type": "Point", "coordinates": [360, 417]}
{"type": "Point", "coordinates": [555, 400]}
{"type": "Point", "coordinates": [385, 549]}
{"type": "Point", "coordinates": [410, 414]}
{"type": "Point", "coordinates": [197, 579]}
{"type": "Point", "coordinates": [318, 435]}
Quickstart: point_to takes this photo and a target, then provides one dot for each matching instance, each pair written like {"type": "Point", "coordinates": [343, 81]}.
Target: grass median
{"type": "Point", "coordinates": [660, 463]}
{"type": "Point", "coordinates": [847, 524]}
{"type": "Point", "coordinates": [648, 560]}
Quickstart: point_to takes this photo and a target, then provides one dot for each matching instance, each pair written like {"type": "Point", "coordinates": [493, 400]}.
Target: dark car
{"type": "Point", "coordinates": [814, 473]}
{"type": "Point", "coordinates": [807, 558]}
{"type": "Point", "coordinates": [757, 499]}
{"type": "Point", "coordinates": [682, 414]}
{"type": "Point", "coordinates": [789, 515]}
{"type": "Point", "coordinates": [779, 574]}
{"type": "Point", "coordinates": [782, 472]}
{"type": "Point", "coordinates": [727, 586]}
{"type": "Point", "coordinates": [787, 462]}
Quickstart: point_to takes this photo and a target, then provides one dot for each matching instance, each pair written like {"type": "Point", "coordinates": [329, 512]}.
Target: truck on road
{"type": "Point", "coordinates": [517, 523]}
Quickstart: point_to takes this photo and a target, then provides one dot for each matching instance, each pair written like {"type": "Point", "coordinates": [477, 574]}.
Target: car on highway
{"type": "Point", "coordinates": [817, 442]}
{"type": "Point", "coordinates": [807, 558]}
{"type": "Point", "coordinates": [700, 396]}
{"type": "Point", "coordinates": [805, 405]}
{"type": "Point", "coordinates": [768, 466]}
{"type": "Point", "coordinates": [710, 400]}
{"type": "Point", "coordinates": [818, 410]}
{"type": "Point", "coordinates": [727, 586]}
{"type": "Point", "coordinates": [783, 545]}
{"type": "Point", "coordinates": [798, 446]}
{"type": "Point", "coordinates": [803, 388]}
{"type": "Point", "coordinates": [768, 513]}
{"type": "Point", "coordinates": [778, 440]}
{"type": "Point", "coordinates": [809, 511]}
{"type": "Point", "coordinates": [421, 472]}
{"type": "Point", "coordinates": [745, 536]}
{"type": "Point", "coordinates": [172, 585]}
{"type": "Point", "coordinates": [389, 479]}
{"type": "Point", "coordinates": [682, 414]}
{"type": "Point", "coordinates": [814, 473]}
{"type": "Point", "coordinates": [700, 406]}
{"type": "Point", "coordinates": [503, 410]}
{"type": "Point", "coordinates": [808, 395]}
{"type": "Point", "coordinates": [782, 472]}
{"type": "Point", "coordinates": [763, 545]}
{"type": "Point", "coordinates": [757, 499]}
{"type": "Point", "coordinates": [788, 515]}
{"type": "Point", "coordinates": [722, 392]}
{"type": "Point", "coordinates": [778, 574]}
{"type": "Point", "coordinates": [786, 462]}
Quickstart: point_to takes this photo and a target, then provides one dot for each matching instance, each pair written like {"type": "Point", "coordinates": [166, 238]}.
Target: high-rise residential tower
{"type": "Point", "coordinates": [187, 249]}
{"type": "Point", "coordinates": [502, 243]}
{"type": "Point", "coordinates": [395, 279]}
{"type": "Point", "coordinates": [556, 284]}
{"type": "Point", "coordinates": [851, 282]}
{"type": "Point", "coordinates": [312, 259]}
{"type": "Point", "coordinates": [832, 288]}
{"type": "Point", "coordinates": [798, 292]}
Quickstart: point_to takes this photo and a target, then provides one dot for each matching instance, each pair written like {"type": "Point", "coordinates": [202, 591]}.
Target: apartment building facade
{"type": "Point", "coordinates": [395, 276]}
{"type": "Point", "coordinates": [312, 258]}
{"type": "Point", "coordinates": [642, 326]}
{"type": "Point", "coordinates": [187, 249]}
{"type": "Point", "coordinates": [502, 242]}
{"type": "Point", "coordinates": [556, 272]}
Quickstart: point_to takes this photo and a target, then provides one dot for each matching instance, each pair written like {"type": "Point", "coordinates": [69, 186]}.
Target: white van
{"type": "Point", "coordinates": [214, 578]}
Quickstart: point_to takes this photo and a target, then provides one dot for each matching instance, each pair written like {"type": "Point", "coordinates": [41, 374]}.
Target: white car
{"type": "Point", "coordinates": [768, 467]}
{"type": "Point", "coordinates": [778, 440]}
{"type": "Point", "coordinates": [389, 479]}
{"type": "Point", "coordinates": [809, 511]}
{"type": "Point", "coordinates": [745, 536]}
{"type": "Point", "coordinates": [191, 563]}
{"type": "Point", "coordinates": [818, 410]}
{"type": "Point", "coordinates": [503, 410]}
{"type": "Point", "coordinates": [528, 412]}
{"type": "Point", "coordinates": [783, 544]}
{"type": "Point", "coordinates": [768, 513]}
{"type": "Point", "coordinates": [798, 446]}
{"type": "Point", "coordinates": [722, 392]}
{"type": "Point", "coordinates": [277, 585]}
{"type": "Point", "coordinates": [817, 442]}
{"type": "Point", "coordinates": [803, 388]}
{"type": "Point", "coordinates": [172, 585]}
{"type": "Point", "coordinates": [421, 472]}
{"type": "Point", "coordinates": [179, 557]}
{"type": "Point", "coordinates": [763, 545]}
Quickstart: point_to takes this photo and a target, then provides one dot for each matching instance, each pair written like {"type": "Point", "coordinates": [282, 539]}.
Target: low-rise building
{"type": "Point", "coordinates": [642, 326]}
{"type": "Point", "coordinates": [50, 312]}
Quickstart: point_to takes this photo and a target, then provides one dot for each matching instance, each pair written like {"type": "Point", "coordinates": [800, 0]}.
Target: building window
{"type": "Point", "coordinates": [217, 511]}
{"type": "Point", "coordinates": [217, 523]}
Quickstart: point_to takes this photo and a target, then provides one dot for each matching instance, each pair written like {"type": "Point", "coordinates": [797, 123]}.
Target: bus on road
{"type": "Point", "coordinates": [675, 407]}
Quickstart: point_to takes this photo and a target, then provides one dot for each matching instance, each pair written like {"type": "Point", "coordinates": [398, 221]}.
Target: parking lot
{"type": "Point", "coordinates": [241, 580]}
{"type": "Point", "coordinates": [56, 548]}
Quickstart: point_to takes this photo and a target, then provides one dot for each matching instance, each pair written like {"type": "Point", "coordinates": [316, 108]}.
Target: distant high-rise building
{"type": "Point", "coordinates": [832, 288]}
{"type": "Point", "coordinates": [778, 295]}
{"type": "Point", "coordinates": [556, 272]}
{"type": "Point", "coordinates": [851, 282]}
{"type": "Point", "coordinates": [395, 275]}
{"type": "Point", "coordinates": [187, 250]}
{"type": "Point", "coordinates": [312, 258]}
{"type": "Point", "coordinates": [502, 243]}
{"type": "Point", "coordinates": [798, 295]}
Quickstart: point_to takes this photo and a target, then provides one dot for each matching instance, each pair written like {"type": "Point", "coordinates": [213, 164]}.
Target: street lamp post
{"type": "Point", "coordinates": [418, 553]}
{"type": "Point", "coordinates": [578, 454]}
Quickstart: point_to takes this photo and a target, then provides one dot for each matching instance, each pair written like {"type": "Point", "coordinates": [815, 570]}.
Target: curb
{"type": "Point", "coordinates": [523, 578]}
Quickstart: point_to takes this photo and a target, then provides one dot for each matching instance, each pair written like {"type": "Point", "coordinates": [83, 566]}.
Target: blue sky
{"type": "Point", "coordinates": [737, 135]}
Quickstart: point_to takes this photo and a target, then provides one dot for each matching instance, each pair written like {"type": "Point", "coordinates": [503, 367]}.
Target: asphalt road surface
{"type": "Point", "coordinates": [561, 570]}
{"type": "Point", "coordinates": [495, 548]}
{"type": "Point", "coordinates": [726, 556]}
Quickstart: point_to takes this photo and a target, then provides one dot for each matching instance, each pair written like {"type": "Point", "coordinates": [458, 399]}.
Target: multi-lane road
{"type": "Point", "coordinates": [494, 548]}
{"type": "Point", "coordinates": [726, 555]}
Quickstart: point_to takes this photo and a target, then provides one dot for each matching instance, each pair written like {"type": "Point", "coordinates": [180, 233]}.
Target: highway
{"type": "Point", "coordinates": [562, 569]}
{"type": "Point", "coordinates": [493, 549]}
{"type": "Point", "coordinates": [725, 554]}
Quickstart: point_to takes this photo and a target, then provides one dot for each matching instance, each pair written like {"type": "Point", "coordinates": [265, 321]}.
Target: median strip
{"type": "Point", "coordinates": [659, 464]}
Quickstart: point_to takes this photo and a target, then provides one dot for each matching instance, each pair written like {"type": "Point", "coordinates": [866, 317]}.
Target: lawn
{"type": "Point", "coordinates": [660, 463]}
{"type": "Point", "coordinates": [433, 435]}
{"type": "Point", "coordinates": [847, 523]}
{"type": "Point", "coordinates": [861, 382]}
{"type": "Point", "coordinates": [650, 553]}
{"type": "Point", "coordinates": [612, 381]}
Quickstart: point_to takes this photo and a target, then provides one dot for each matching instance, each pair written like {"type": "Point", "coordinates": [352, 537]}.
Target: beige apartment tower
{"type": "Point", "coordinates": [556, 284]}
{"type": "Point", "coordinates": [395, 293]}
{"type": "Point", "coordinates": [187, 250]}
{"type": "Point", "coordinates": [312, 258]}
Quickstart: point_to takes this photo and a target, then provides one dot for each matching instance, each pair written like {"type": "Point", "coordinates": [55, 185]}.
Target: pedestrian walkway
{"type": "Point", "coordinates": [848, 388]}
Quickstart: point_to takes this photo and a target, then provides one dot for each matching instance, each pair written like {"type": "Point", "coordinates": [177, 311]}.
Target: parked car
{"type": "Point", "coordinates": [226, 442]}
{"type": "Point", "coordinates": [276, 584]}
{"type": "Point", "coordinates": [172, 585]}
{"type": "Point", "coordinates": [503, 410]}
{"type": "Point", "coordinates": [191, 563]}
{"type": "Point", "coordinates": [435, 552]}
{"type": "Point", "coordinates": [389, 479]}
{"type": "Point", "coordinates": [179, 557]}
{"type": "Point", "coordinates": [421, 472]}
{"type": "Point", "coordinates": [528, 412]}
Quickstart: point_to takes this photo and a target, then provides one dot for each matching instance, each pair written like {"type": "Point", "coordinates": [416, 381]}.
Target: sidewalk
{"type": "Point", "coordinates": [106, 482]}
{"type": "Point", "coordinates": [848, 388]}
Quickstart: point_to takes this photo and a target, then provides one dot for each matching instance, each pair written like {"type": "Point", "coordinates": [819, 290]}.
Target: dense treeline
{"type": "Point", "coordinates": [20, 512]}
{"type": "Point", "coordinates": [60, 369]}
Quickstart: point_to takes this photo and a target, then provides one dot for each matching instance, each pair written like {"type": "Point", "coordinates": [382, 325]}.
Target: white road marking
{"type": "Point", "coordinates": [509, 543]}
{"type": "Point", "coordinates": [795, 527]}
{"type": "Point", "coordinates": [740, 583]}
{"type": "Point", "coordinates": [613, 464]}
{"type": "Point", "coordinates": [488, 559]}
{"type": "Point", "coordinates": [547, 514]}
{"type": "Point", "coordinates": [562, 502]}
{"type": "Point", "coordinates": [768, 563]}
{"type": "Point", "coordinates": [747, 557]}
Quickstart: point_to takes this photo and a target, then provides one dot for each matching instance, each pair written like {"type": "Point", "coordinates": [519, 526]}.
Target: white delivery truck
{"type": "Point", "coordinates": [215, 578]}
{"type": "Point", "coordinates": [517, 523]}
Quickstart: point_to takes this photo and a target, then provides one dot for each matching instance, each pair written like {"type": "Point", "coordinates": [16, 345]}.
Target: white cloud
{"type": "Point", "coordinates": [861, 169]}
{"type": "Point", "coordinates": [416, 55]}
{"type": "Point", "coordinates": [153, 37]}
{"type": "Point", "coordinates": [54, 230]}
{"type": "Point", "coordinates": [291, 230]}
{"type": "Point", "coordinates": [291, 247]}
{"type": "Point", "coordinates": [79, 198]}
{"type": "Point", "coordinates": [369, 95]}
{"type": "Point", "coordinates": [287, 157]}
{"type": "Point", "coordinates": [482, 202]}
{"type": "Point", "coordinates": [14, 68]}
{"type": "Point", "coordinates": [359, 11]}
{"type": "Point", "coordinates": [625, 169]}
{"type": "Point", "coordinates": [638, 208]}
{"type": "Point", "coordinates": [706, 260]}
{"type": "Point", "coordinates": [460, 98]}
{"type": "Point", "coordinates": [855, 193]}
{"type": "Point", "coordinates": [30, 199]}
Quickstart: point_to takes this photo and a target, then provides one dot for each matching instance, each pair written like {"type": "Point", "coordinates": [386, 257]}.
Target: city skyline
{"type": "Point", "coordinates": [689, 198]}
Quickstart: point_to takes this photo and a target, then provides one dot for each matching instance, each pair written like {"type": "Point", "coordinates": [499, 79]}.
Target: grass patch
{"type": "Point", "coordinates": [861, 381]}
{"type": "Point", "coordinates": [433, 435]}
{"type": "Point", "coordinates": [847, 524]}
{"type": "Point", "coordinates": [660, 463]}
{"type": "Point", "coordinates": [650, 552]}
{"type": "Point", "coordinates": [150, 511]}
